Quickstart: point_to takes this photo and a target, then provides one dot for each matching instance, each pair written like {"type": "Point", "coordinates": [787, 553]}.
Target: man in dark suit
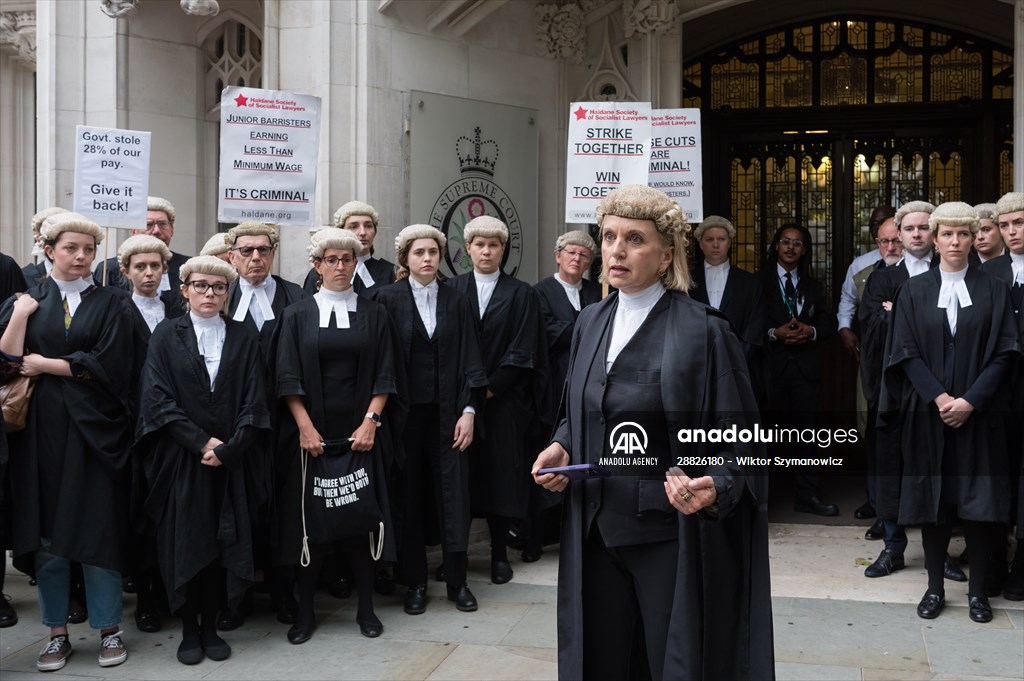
{"type": "Point", "coordinates": [371, 273]}
{"type": "Point", "coordinates": [732, 291]}
{"type": "Point", "coordinates": [160, 217]}
{"type": "Point", "coordinates": [798, 319]}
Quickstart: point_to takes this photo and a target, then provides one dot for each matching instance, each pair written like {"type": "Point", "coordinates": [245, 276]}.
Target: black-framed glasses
{"type": "Point", "coordinates": [786, 241]}
{"type": "Point", "coordinates": [247, 251]}
{"type": "Point", "coordinates": [201, 287]}
{"type": "Point", "coordinates": [334, 261]}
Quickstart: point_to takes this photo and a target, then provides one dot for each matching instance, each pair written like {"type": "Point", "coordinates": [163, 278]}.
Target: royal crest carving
{"type": "Point", "coordinates": [646, 17]}
{"type": "Point", "coordinates": [561, 32]}
{"type": "Point", "coordinates": [18, 35]}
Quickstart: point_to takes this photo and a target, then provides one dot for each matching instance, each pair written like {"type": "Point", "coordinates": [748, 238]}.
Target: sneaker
{"type": "Point", "coordinates": [55, 654]}
{"type": "Point", "coordinates": [112, 650]}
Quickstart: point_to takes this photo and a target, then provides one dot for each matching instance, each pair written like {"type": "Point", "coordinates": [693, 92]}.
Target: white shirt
{"type": "Point", "coordinates": [426, 303]}
{"type": "Point", "coordinates": [152, 309]}
{"type": "Point", "coordinates": [572, 291]}
{"type": "Point", "coordinates": [715, 277]}
{"type": "Point", "coordinates": [953, 295]}
{"type": "Point", "coordinates": [916, 266]}
{"type": "Point", "coordinates": [485, 284]}
{"type": "Point", "coordinates": [71, 291]}
{"type": "Point", "coordinates": [848, 298]}
{"type": "Point", "coordinates": [165, 282]}
{"type": "Point", "coordinates": [363, 273]}
{"type": "Point", "coordinates": [210, 333]}
{"type": "Point", "coordinates": [630, 313]}
{"type": "Point", "coordinates": [1017, 267]}
{"type": "Point", "coordinates": [261, 295]}
{"type": "Point", "coordinates": [338, 302]}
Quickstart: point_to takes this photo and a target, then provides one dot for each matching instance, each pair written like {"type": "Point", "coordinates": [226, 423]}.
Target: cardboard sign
{"type": "Point", "coordinates": [675, 166]}
{"type": "Point", "coordinates": [112, 176]}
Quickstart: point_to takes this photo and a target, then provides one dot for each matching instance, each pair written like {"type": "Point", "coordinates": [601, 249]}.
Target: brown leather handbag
{"type": "Point", "coordinates": [15, 397]}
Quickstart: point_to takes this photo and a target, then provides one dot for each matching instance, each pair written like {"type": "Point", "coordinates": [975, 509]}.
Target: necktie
{"type": "Point", "coordinates": [790, 289]}
{"type": "Point", "coordinates": [67, 317]}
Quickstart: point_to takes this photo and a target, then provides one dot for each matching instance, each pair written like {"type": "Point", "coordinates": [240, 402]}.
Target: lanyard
{"type": "Point", "coordinates": [791, 303]}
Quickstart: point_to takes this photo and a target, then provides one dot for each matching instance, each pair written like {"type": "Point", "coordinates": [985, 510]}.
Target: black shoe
{"type": "Point", "coordinates": [886, 564]}
{"type": "Point", "coordinates": [77, 613]}
{"type": "Point", "coordinates": [340, 589]}
{"type": "Point", "coordinates": [128, 584]}
{"type": "Point", "coordinates": [951, 571]}
{"type": "Point", "coordinates": [501, 571]}
{"type": "Point", "coordinates": [148, 622]}
{"type": "Point", "coordinates": [229, 620]}
{"type": "Point", "coordinates": [8, 618]}
{"type": "Point", "coordinates": [463, 597]}
{"type": "Point", "coordinates": [864, 511]}
{"type": "Point", "coordinates": [532, 555]}
{"type": "Point", "coordinates": [439, 575]}
{"type": "Point", "coordinates": [300, 633]}
{"type": "Point", "coordinates": [416, 600]}
{"type": "Point", "coordinates": [215, 647]}
{"type": "Point", "coordinates": [370, 628]}
{"type": "Point", "coordinates": [1014, 589]}
{"type": "Point", "coordinates": [384, 583]}
{"type": "Point", "coordinates": [930, 606]}
{"type": "Point", "coordinates": [816, 506]}
{"type": "Point", "coordinates": [190, 650]}
{"type": "Point", "coordinates": [876, 531]}
{"type": "Point", "coordinates": [980, 610]}
{"type": "Point", "coordinates": [287, 609]}
{"type": "Point", "coordinates": [996, 581]}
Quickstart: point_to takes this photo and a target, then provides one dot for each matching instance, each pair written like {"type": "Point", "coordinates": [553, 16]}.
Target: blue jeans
{"type": "Point", "coordinates": [102, 590]}
{"type": "Point", "coordinates": [895, 537]}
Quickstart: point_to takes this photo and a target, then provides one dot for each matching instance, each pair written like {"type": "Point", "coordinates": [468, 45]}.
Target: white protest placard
{"type": "Point", "coordinates": [675, 159]}
{"type": "Point", "coordinates": [269, 141]}
{"type": "Point", "coordinates": [112, 175]}
{"type": "Point", "coordinates": [609, 145]}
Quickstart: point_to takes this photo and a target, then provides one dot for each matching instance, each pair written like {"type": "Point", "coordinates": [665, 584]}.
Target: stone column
{"type": "Point", "coordinates": [655, 51]}
{"type": "Point", "coordinates": [1018, 96]}
{"type": "Point", "coordinates": [17, 127]}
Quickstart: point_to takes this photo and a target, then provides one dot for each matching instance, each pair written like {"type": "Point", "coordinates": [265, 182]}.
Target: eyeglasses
{"type": "Point", "coordinates": [201, 287]}
{"type": "Point", "coordinates": [796, 243]}
{"type": "Point", "coordinates": [885, 243]}
{"type": "Point", "coordinates": [163, 224]}
{"type": "Point", "coordinates": [334, 261]}
{"type": "Point", "coordinates": [247, 251]}
{"type": "Point", "coordinates": [572, 255]}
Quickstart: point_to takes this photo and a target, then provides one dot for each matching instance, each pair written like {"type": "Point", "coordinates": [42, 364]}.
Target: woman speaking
{"type": "Point", "coordinates": [680, 556]}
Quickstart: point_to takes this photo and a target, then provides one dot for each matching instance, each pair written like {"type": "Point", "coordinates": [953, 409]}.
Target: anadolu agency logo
{"type": "Point", "coordinates": [476, 193]}
{"type": "Point", "coordinates": [628, 438]}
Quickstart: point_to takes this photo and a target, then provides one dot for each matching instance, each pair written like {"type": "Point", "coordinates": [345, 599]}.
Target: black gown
{"type": "Point", "coordinates": [970, 365]}
{"type": "Point", "coordinates": [721, 624]}
{"type": "Point", "coordinates": [299, 371]}
{"type": "Point", "coordinates": [12, 281]}
{"type": "Point", "coordinates": [513, 351]}
{"type": "Point", "coordinates": [202, 513]}
{"type": "Point", "coordinates": [460, 380]}
{"type": "Point", "coordinates": [70, 463]}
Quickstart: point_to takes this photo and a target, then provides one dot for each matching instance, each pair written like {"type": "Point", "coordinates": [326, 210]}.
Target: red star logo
{"type": "Point", "coordinates": [241, 100]}
{"type": "Point", "coordinates": [581, 113]}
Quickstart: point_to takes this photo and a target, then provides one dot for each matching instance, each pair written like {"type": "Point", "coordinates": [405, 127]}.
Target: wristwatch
{"type": "Point", "coordinates": [373, 416]}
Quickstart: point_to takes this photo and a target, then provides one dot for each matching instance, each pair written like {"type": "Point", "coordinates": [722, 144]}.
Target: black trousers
{"type": "Point", "coordinates": [793, 403]}
{"type": "Point", "coordinates": [421, 480]}
{"type": "Point", "coordinates": [626, 589]}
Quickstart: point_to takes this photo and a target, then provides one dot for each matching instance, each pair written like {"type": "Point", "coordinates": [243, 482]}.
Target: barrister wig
{"type": "Point", "coordinates": [207, 264]}
{"type": "Point", "coordinates": [157, 203]}
{"type": "Point", "coordinates": [216, 245]}
{"type": "Point", "coordinates": [1012, 202]}
{"type": "Point", "coordinates": [141, 243]}
{"type": "Point", "coordinates": [333, 237]}
{"type": "Point", "coordinates": [404, 241]}
{"type": "Point", "coordinates": [640, 202]}
{"type": "Point", "coordinates": [954, 214]}
{"type": "Point", "coordinates": [912, 207]}
{"type": "Point", "coordinates": [714, 221]}
{"type": "Point", "coordinates": [40, 217]}
{"type": "Point", "coordinates": [576, 237]}
{"type": "Point", "coordinates": [487, 227]}
{"type": "Point", "coordinates": [55, 225]}
{"type": "Point", "coordinates": [354, 208]}
{"type": "Point", "coordinates": [987, 211]}
{"type": "Point", "coordinates": [251, 228]}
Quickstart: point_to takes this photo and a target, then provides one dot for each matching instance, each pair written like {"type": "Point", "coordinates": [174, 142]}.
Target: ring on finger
{"type": "Point", "coordinates": [686, 496]}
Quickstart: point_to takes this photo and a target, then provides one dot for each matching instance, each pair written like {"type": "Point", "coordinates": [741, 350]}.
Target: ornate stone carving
{"type": "Point", "coordinates": [560, 32]}
{"type": "Point", "coordinates": [18, 35]}
{"type": "Point", "coordinates": [200, 8]}
{"type": "Point", "coordinates": [589, 5]}
{"type": "Point", "coordinates": [119, 9]}
{"type": "Point", "coordinates": [608, 81]}
{"type": "Point", "coordinates": [649, 16]}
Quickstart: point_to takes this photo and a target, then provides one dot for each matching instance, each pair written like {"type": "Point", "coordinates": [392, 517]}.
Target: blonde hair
{"type": "Point", "coordinates": [639, 202]}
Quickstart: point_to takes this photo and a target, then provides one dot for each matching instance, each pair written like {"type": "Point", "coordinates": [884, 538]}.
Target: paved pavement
{"type": "Point", "coordinates": [830, 623]}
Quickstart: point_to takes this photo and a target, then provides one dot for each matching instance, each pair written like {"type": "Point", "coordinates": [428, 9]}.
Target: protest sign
{"type": "Point", "coordinates": [112, 175]}
{"type": "Point", "coordinates": [675, 166]}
